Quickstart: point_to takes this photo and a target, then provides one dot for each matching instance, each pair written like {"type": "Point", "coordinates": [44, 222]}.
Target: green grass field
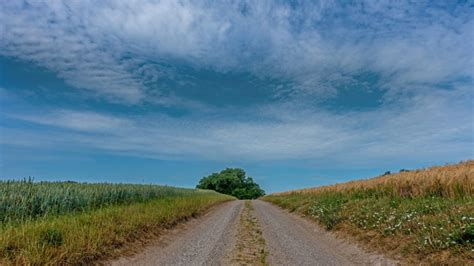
{"type": "Point", "coordinates": [73, 223]}
{"type": "Point", "coordinates": [435, 224]}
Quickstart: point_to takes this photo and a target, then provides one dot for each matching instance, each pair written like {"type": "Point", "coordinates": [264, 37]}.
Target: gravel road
{"type": "Point", "coordinates": [204, 241]}
{"type": "Point", "coordinates": [292, 240]}
{"type": "Point", "coordinates": [289, 239]}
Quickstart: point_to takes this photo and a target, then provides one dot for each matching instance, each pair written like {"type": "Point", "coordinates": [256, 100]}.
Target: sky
{"type": "Point", "coordinates": [297, 93]}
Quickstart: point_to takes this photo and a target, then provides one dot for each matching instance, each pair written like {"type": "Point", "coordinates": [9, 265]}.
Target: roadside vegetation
{"type": "Point", "coordinates": [250, 247]}
{"type": "Point", "coordinates": [26, 200]}
{"type": "Point", "coordinates": [423, 215]}
{"type": "Point", "coordinates": [232, 181]}
{"type": "Point", "coordinates": [74, 223]}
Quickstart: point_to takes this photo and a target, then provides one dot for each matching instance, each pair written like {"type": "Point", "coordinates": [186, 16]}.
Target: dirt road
{"type": "Point", "coordinates": [289, 240]}
{"type": "Point", "coordinates": [204, 241]}
{"type": "Point", "coordinates": [293, 240]}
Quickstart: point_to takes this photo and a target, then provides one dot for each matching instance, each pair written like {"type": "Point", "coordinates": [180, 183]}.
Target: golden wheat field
{"type": "Point", "coordinates": [451, 181]}
{"type": "Point", "coordinates": [420, 216]}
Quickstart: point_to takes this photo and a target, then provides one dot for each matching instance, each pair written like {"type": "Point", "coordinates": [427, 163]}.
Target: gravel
{"type": "Point", "coordinates": [204, 241]}
{"type": "Point", "coordinates": [292, 240]}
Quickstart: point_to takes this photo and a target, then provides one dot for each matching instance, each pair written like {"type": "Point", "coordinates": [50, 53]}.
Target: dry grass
{"type": "Point", "coordinates": [451, 181]}
{"type": "Point", "coordinates": [83, 238]}
{"type": "Point", "coordinates": [250, 247]}
{"type": "Point", "coordinates": [420, 216]}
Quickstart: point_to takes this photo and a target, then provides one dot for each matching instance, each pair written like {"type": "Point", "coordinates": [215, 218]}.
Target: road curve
{"type": "Point", "coordinates": [292, 240]}
{"type": "Point", "coordinates": [204, 241]}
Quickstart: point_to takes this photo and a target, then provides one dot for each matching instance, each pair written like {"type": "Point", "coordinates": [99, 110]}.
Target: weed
{"type": "Point", "coordinates": [464, 235]}
{"type": "Point", "coordinates": [327, 209]}
{"type": "Point", "coordinates": [51, 237]}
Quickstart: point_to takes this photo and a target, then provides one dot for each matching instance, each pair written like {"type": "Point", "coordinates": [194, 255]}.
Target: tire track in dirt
{"type": "Point", "coordinates": [203, 241]}
{"type": "Point", "coordinates": [251, 233]}
{"type": "Point", "coordinates": [293, 240]}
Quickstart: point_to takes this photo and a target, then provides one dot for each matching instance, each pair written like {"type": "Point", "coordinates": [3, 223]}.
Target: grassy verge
{"type": "Point", "coordinates": [84, 237]}
{"type": "Point", "coordinates": [434, 225]}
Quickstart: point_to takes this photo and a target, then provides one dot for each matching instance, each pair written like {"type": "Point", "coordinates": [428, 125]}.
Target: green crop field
{"type": "Point", "coordinates": [74, 223]}
{"type": "Point", "coordinates": [419, 216]}
{"type": "Point", "coordinates": [23, 200]}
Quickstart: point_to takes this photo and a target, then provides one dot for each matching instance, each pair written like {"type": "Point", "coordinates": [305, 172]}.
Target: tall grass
{"type": "Point", "coordinates": [450, 181]}
{"type": "Point", "coordinates": [425, 215]}
{"type": "Point", "coordinates": [78, 223]}
{"type": "Point", "coordinates": [26, 200]}
{"type": "Point", "coordinates": [83, 238]}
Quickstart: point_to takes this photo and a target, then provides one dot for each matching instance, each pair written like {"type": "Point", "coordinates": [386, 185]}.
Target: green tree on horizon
{"type": "Point", "coordinates": [232, 181]}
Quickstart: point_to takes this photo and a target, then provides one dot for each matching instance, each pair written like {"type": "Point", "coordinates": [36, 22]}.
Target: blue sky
{"type": "Point", "coordinates": [298, 93]}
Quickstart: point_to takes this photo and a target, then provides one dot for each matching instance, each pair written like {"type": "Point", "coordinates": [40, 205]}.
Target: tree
{"type": "Point", "coordinates": [232, 181]}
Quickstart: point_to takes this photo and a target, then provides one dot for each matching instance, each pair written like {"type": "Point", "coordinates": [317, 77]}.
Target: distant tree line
{"type": "Point", "coordinates": [232, 181]}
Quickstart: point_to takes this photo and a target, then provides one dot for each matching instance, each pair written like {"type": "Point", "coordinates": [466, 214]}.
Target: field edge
{"type": "Point", "coordinates": [98, 235]}
{"type": "Point", "coordinates": [433, 224]}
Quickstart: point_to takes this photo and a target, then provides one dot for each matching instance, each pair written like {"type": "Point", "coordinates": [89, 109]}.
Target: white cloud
{"type": "Point", "coordinates": [115, 49]}
{"type": "Point", "coordinates": [423, 128]}
{"type": "Point", "coordinates": [50, 35]}
{"type": "Point", "coordinates": [82, 121]}
{"type": "Point", "coordinates": [105, 47]}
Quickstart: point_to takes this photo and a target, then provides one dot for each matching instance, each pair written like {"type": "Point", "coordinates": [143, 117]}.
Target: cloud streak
{"type": "Point", "coordinates": [423, 128]}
